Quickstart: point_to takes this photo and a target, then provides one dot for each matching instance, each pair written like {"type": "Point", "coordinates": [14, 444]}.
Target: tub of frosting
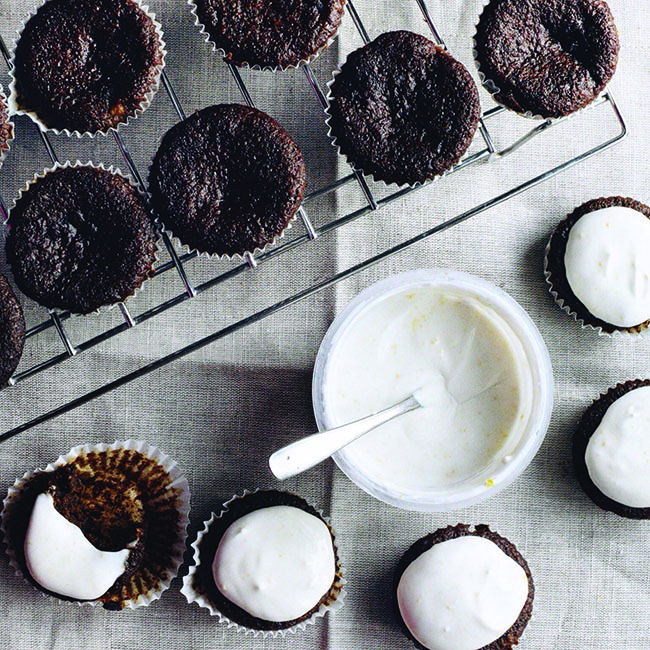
{"type": "Point", "coordinates": [487, 376]}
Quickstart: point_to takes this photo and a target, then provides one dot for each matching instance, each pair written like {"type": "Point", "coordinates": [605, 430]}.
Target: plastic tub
{"type": "Point", "coordinates": [495, 476]}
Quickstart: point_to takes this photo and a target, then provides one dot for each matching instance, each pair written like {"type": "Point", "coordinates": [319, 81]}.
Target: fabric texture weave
{"type": "Point", "coordinates": [221, 411]}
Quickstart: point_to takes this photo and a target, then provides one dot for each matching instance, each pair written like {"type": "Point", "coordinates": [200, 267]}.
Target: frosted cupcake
{"type": "Point", "coordinates": [102, 525]}
{"type": "Point", "coordinates": [463, 589]}
{"type": "Point", "coordinates": [267, 564]}
{"type": "Point", "coordinates": [611, 450]}
{"type": "Point", "coordinates": [598, 267]}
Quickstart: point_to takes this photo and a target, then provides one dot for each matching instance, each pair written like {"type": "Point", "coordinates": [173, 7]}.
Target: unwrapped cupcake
{"type": "Point", "coordinates": [463, 589]}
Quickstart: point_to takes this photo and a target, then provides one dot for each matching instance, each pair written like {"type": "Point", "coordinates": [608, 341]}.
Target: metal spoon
{"type": "Point", "coordinates": [304, 454]}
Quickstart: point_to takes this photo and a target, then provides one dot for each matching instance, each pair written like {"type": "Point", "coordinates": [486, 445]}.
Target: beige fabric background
{"type": "Point", "coordinates": [222, 410]}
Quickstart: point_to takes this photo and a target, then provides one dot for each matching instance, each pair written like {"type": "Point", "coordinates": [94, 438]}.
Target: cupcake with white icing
{"type": "Point", "coordinates": [611, 450]}
{"type": "Point", "coordinates": [598, 267]}
{"type": "Point", "coordinates": [102, 525]}
{"type": "Point", "coordinates": [267, 564]}
{"type": "Point", "coordinates": [463, 589]}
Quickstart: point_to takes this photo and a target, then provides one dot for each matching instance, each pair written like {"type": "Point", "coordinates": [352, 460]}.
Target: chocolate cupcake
{"type": "Point", "coordinates": [104, 524]}
{"type": "Point", "coordinates": [465, 588]}
{"type": "Point", "coordinates": [12, 331]}
{"type": "Point", "coordinates": [598, 267]}
{"type": "Point", "coordinates": [86, 66]}
{"type": "Point", "coordinates": [81, 237]}
{"type": "Point", "coordinates": [267, 564]}
{"type": "Point", "coordinates": [6, 128]}
{"type": "Point", "coordinates": [402, 109]}
{"type": "Point", "coordinates": [269, 34]}
{"type": "Point", "coordinates": [611, 450]}
{"type": "Point", "coordinates": [227, 180]}
{"type": "Point", "coordinates": [546, 58]}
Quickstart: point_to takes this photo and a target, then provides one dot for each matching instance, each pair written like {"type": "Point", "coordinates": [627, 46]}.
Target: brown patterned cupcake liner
{"type": "Point", "coordinates": [171, 499]}
{"type": "Point", "coordinates": [195, 593]}
{"type": "Point", "coordinates": [16, 109]}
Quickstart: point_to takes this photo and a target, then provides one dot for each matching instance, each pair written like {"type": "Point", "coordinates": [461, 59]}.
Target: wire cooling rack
{"type": "Point", "coordinates": [487, 152]}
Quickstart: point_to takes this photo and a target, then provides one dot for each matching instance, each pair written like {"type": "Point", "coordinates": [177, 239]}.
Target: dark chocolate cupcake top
{"type": "Point", "coordinates": [103, 504]}
{"type": "Point", "coordinates": [547, 57]}
{"type": "Point", "coordinates": [87, 65]}
{"type": "Point", "coordinates": [270, 33]}
{"type": "Point", "coordinates": [446, 581]}
{"type": "Point", "coordinates": [12, 331]}
{"type": "Point", "coordinates": [268, 562]}
{"type": "Point", "coordinates": [611, 450]}
{"type": "Point", "coordinates": [402, 109]}
{"type": "Point", "coordinates": [227, 180]}
{"type": "Point", "coordinates": [80, 238]}
{"type": "Point", "coordinates": [597, 264]}
{"type": "Point", "coordinates": [6, 126]}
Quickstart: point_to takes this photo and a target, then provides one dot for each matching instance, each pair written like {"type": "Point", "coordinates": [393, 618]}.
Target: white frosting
{"type": "Point", "coordinates": [461, 594]}
{"type": "Point", "coordinates": [464, 364]}
{"type": "Point", "coordinates": [62, 560]}
{"type": "Point", "coordinates": [608, 265]}
{"type": "Point", "coordinates": [618, 453]}
{"type": "Point", "coordinates": [276, 563]}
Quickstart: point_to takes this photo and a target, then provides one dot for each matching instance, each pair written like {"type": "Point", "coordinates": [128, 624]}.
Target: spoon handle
{"type": "Point", "coordinates": [304, 454]}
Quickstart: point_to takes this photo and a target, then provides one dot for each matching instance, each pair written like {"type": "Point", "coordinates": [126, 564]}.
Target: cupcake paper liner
{"type": "Point", "coordinates": [221, 52]}
{"type": "Point", "coordinates": [337, 592]}
{"type": "Point", "coordinates": [15, 109]}
{"type": "Point", "coordinates": [177, 481]}
{"type": "Point", "coordinates": [492, 88]}
{"type": "Point", "coordinates": [4, 151]}
{"type": "Point", "coordinates": [332, 137]}
{"type": "Point", "coordinates": [639, 331]}
{"type": "Point", "coordinates": [117, 172]}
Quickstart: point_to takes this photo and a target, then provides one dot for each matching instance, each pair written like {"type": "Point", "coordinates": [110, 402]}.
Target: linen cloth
{"type": "Point", "coordinates": [222, 410]}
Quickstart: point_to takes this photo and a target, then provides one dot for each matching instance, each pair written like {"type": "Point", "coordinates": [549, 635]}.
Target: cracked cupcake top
{"type": "Point", "coordinates": [87, 66]}
{"type": "Point", "coordinates": [547, 57]}
{"type": "Point", "coordinates": [80, 238]}
{"type": "Point", "coordinates": [402, 109]}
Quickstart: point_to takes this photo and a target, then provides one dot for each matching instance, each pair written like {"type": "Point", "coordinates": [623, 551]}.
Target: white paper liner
{"type": "Point", "coordinates": [566, 307]}
{"type": "Point", "coordinates": [332, 136]}
{"type": "Point", "coordinates": [491, 87]}
{"type": "Point", "coordinates": [244, 64]}
{"type": "Point", "coordinates": [4, 151]}
{"type": "Point", "coordinates": [15, 109]}
{"type": "Point", "coordinates": [194, 596]}
{"type": "Point", "coordinates": [178, 481]}
{"type": "Point", "coordinates": [117, 172]}
{"type": "Point", "coordinates": [236, 257]}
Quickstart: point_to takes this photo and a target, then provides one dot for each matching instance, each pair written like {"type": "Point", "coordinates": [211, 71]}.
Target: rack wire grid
{"type": "Point", "coordinates": [488, 152]}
